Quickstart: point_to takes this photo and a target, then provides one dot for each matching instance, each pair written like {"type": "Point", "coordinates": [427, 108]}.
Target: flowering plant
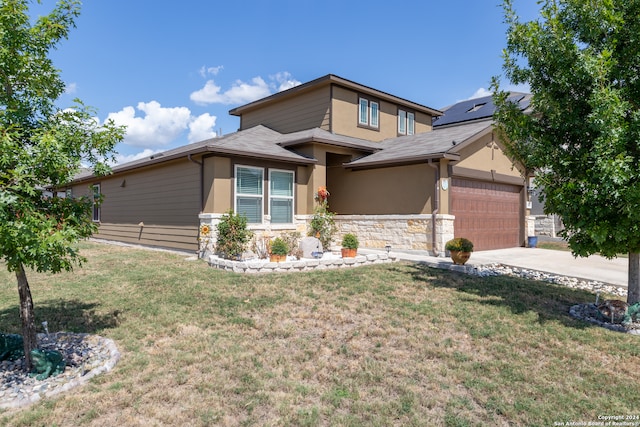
{"type": "Point", "coordinates": [322, 195]}
{"type": "Point", "coordinates": [322, 223]}
{"type": "Point", "coordinates": [204, 238]}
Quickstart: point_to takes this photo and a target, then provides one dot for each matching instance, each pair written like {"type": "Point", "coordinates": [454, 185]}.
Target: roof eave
{"type": "Point", "coordinates": [231, 152]}
{"type": "Point", "coordinates": [402, 161]}
{"type": "Point", "coordinates": [328, 141]}
{"type": "Point", "coordinates": [332, 79]}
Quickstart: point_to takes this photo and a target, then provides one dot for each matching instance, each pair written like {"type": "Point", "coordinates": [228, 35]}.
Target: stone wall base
{"type": "Point", "coordinates": [373, 231]}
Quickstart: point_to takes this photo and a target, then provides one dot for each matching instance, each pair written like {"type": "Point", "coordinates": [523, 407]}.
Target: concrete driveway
{"type": "Point", "coordinates": [594, 267]}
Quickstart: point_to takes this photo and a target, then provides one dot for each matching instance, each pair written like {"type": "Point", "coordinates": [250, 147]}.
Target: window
{"type": "Point", "coordinates": [363, 114]}
{"type": "Point", "coordinates": [249, 193]}
{"type": "Point", "coordinates": [281, 196]}
{"type": "Point", "coordinates": [402, 122]}
{"type": "Point", "coordinates": [411, 123]}
{"type": "Point", "coordinates": [368, 113]}
{"type": "Point", "coordinates": [96, 202]}
{"type": "Point", "coordinates": [406, 123]}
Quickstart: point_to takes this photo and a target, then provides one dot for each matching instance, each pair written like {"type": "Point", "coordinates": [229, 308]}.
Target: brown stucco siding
{"type": "Point", "coordinates": [294, 114]}
{"type": "Point", "coordinates": [168, 194]}
{"type": "Point", "coordinates": [219, 182]}
{"type": "Point", "coordinates": [345, 117]}
{"type": "Point", "coordinates": [165, 198]}
{"type": "Point", "coordinates": [487, 155]}
{"type": "Point", "coordinates": [395, 190]}
{"type": "Point", "coordinates": [175, 237]}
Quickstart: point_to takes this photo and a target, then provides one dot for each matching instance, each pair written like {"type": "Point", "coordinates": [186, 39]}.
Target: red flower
{"type": "Point", "coordinates": [323, 194]}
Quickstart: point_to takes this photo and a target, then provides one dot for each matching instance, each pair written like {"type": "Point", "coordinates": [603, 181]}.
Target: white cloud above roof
{"type": "Point", "coordinates": [202, 127]}
{"type": "Point", "coordinates": [242, 92]}
{"type": "Point", "coordinates": [239, 93]}
{"type": "Point", "coordinates": [481, 93]}
{"type": "Point", "coordinates": [147, 152]}
{"type": "Point", "coordinates": [158, 126]}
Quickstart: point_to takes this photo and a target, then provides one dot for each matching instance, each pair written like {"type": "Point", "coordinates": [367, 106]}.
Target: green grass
{"type": "Point", "coordinates": [396, 344]}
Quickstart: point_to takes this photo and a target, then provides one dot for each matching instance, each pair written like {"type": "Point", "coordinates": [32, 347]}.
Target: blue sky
{"type": "Point", "coordinates": [171, 71]}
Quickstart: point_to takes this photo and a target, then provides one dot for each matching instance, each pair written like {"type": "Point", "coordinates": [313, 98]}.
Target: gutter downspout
{"type": "Point", "coordinates": [436, 167]}
{"type": "Point", "coordinates": [201, 164]}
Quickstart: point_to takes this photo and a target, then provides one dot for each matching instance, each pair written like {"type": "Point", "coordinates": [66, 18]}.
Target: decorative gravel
{"type": "Point", "coordinates": [570, 282]}
{"type": "Point", "coordinates": [85, 355]}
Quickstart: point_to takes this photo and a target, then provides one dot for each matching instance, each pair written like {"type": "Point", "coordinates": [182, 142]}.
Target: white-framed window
{"type": "Point", "coordinates": [249, 193]}
{"type": "Point", "coordinates": [363, 112]}
{"type": "Point", "coordinates": [281, 196]}
{"type": "Point", "coordinates": [96, 202]}
{"type": "Point", "coordinates": [411, 123]}
{"type": "Point", "coordinates": [368, 113]}
{"type": "Point", "coordinates": [406, 122]}
{"type": "Point", "coordinates": [402, 122]}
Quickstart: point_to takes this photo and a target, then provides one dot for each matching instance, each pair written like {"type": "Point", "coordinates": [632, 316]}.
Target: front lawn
{"type": "Point", "coordinates": [395, 344]}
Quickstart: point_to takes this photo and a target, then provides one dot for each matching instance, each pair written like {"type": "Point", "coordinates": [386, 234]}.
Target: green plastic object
{"type": "Point", "coordinates": [46, 363]}
{"type": "Point", "coordinates": [11, 346]}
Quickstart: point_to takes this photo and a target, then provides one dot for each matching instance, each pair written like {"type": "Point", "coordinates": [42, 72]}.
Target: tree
{"type": "Point", "coordinates": [582, 62]}
{"type": "Point", "coordinates": [42, 146]}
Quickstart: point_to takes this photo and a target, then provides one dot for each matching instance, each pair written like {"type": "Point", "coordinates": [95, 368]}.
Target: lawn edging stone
{"type": "Point", "coordinates": [293, 265]}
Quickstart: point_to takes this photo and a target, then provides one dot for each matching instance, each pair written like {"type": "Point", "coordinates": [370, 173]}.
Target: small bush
{"type": "Point", "coordinates": [459, 244]}
{"type": "Point", "coordinates": [233, 236]}
{"type": "Point", "coordinates": [350, 241]}
{"type": "Point", "coordinates": [279, 247]}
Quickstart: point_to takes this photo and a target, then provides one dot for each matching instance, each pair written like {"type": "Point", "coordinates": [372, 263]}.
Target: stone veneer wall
{"type": "Point", "coordinates": [373, 231]}
{"type": "Point", "coordinates": [397, 231]}
{"type": "Point", "coordinates": [545, 225]}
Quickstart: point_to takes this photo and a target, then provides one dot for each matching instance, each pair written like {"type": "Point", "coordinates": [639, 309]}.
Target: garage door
{"type": "Point", "coordinates": [486, 213]}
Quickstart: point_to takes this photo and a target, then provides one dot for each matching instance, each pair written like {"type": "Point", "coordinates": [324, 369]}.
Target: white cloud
{"type": "Point", "coordinates": [243, 92]}
{"type": "Point", "coordinates": [125, 158]}
{"type": "Point", "coordinates": [239, 93]}
{"type": "Point", "coordinates": [480, 93]}
{"type": "Point", "coordinates": [285, 81]}
{"type": "Point", "coordinates": [71, 88]}
{"type": "Point", "coordinates": [202, 127]}
{"type": "Point", "coordinates": [204, 71]}
{"type": "Point", "coordinates": [159, 126]}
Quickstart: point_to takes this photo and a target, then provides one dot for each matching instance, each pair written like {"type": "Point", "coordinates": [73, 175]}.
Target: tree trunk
{"type": "Point", "coordinates": [26, 315]}
{"type": "Point", "coordinates": [633, 285]}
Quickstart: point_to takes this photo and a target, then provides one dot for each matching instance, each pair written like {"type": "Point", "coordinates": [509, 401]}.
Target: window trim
{"type": "Point", "coordinates": [406, 122]}
{"type": "Point", "coordinates": [236, 194]}
{"type": "Point", "coordinates": [372, 113]}
{"type": "Point", "coordinates": [292, 197]}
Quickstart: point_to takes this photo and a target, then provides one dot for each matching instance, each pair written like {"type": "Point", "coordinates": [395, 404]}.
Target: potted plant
{"type": "Point", "coordinates": [460, 249]}
{"type": "Point", "coordinates": [279, 250]}
{"type": "Point", "coordinates": [349, 245]}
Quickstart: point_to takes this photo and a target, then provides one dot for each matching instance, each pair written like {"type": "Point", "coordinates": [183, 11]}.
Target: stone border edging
{"type": "Point", "coordinates": [114, 356]}
{"type": "Point", "coordinates": [260, 266]}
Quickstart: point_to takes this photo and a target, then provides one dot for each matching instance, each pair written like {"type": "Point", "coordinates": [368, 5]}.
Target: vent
{"type": "Point", "coordinates": [476, 107]}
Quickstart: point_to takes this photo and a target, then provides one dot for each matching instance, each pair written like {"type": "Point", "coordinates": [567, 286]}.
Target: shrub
{"type": "Point", "coordinates": [322, 224]}
{"type": "Point", "coordinates": [291, 238]}
{"type": "Point", "coordinates": [279, 247]}
{"type": "Point", "coordinates": [350, 241]}
{"type": "Point", "coordinates": [459, 244]}
{"type": "Point", "coordinates": [233, 236]}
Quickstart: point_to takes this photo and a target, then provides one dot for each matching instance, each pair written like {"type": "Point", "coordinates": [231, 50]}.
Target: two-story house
{"type": "Point", "coordinates": [394, 179]}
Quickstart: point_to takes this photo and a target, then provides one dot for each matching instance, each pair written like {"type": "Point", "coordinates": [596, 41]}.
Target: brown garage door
{"type": "Point", "coordinates": [486, 213]}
